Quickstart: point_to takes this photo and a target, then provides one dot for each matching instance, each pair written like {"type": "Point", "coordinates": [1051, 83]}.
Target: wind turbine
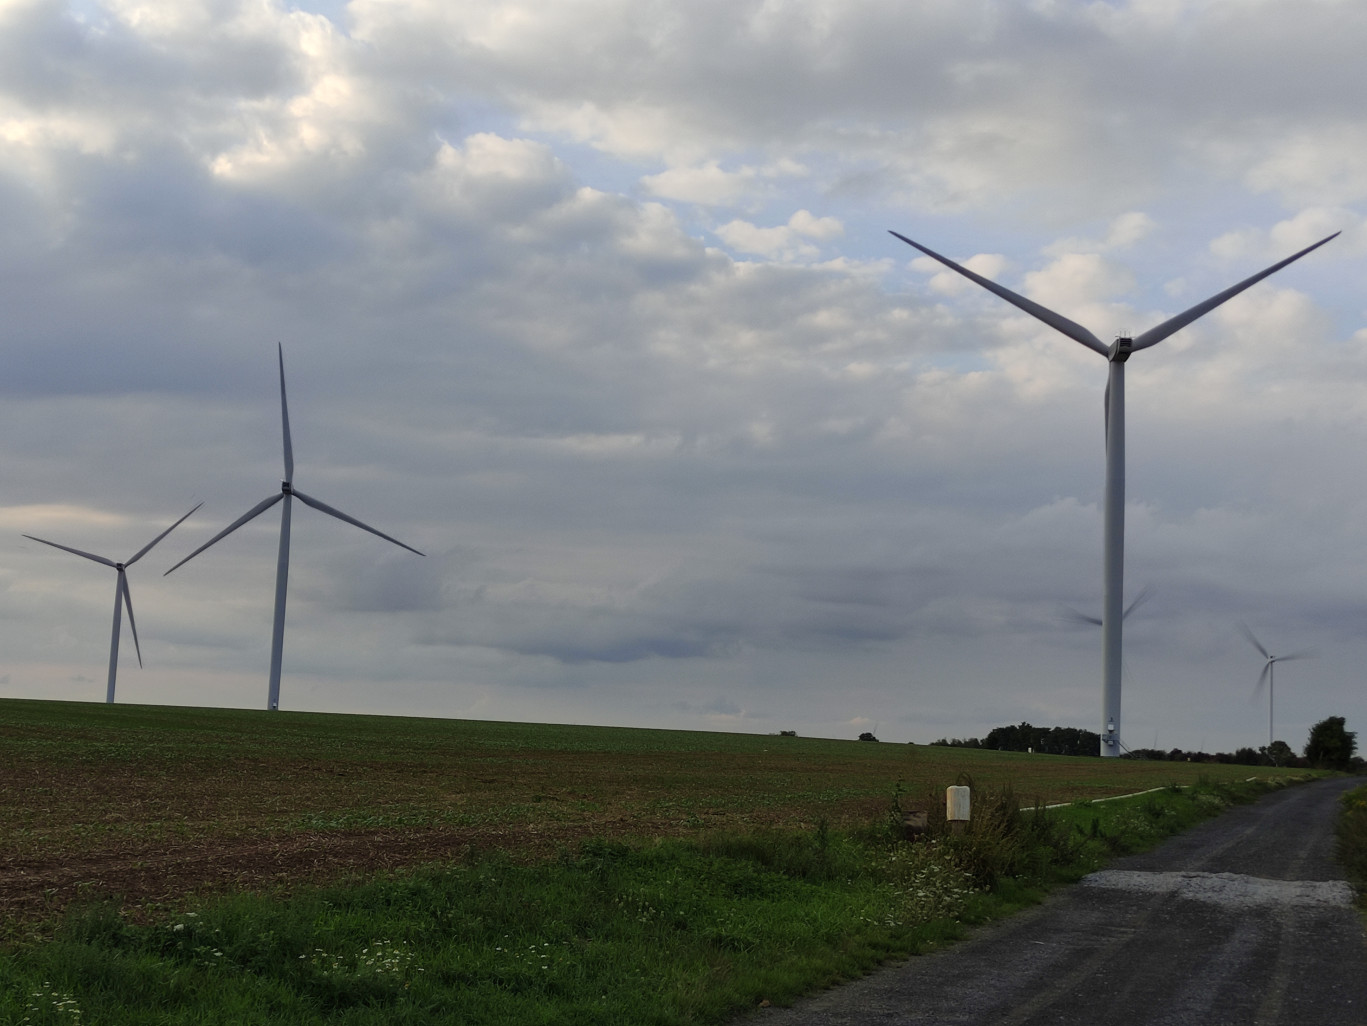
{"type": "Point", "coordinates": [287, 493]}
{"type": "Point", "coordinates": [1269, 673]}
{"type": "Point", "coordinates": [121, 596]}
{"type": "Point", "coordinates": [1113, 532]}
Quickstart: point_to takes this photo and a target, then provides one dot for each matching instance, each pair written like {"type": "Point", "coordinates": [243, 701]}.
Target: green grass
{"type": "Point", "coordinates": [1350, 841]}
{"type": "Point", "coordinates": [685, 878]}
{"type": "Point", "coordinates": [664, 933]}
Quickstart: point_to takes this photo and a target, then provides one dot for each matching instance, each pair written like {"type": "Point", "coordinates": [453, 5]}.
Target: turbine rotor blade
{"type": "Point", "coordinates": [1075, 616]}
{"type": "Point", "coordinates": [325, 508]}
{"type": "Point", "coordinates": [146, 548]}
{"type": "Point", "coordinates": [256, 510]}
{"type": "Point", "coordinates": [1243, 627]}
{"type": "Point", "coordinates": [77, 552]}
{"type": "Point", "coordinates": [1174, 324]}
{"type": "Point", "coordinates": [1058, 322]}
{"type": "Point", "coordinates": [285, 417]}
{"type": "Point", "coordinates": [1262, 679]}
{"type": "Point", "coordinates": [128, 602]}
{"type": "Point", "coordinates": [1145, 593]}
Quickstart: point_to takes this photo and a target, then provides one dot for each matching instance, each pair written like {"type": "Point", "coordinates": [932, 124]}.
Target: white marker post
{"type": "Point", "coordinates": [957, 801]}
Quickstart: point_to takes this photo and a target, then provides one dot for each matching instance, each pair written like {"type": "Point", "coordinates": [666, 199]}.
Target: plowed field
{"type": "Point", "coordinates": [150, 805]}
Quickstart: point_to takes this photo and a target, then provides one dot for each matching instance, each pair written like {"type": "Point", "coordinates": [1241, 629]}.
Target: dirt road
{"type": "Point", "coordinates": [1244, 920]}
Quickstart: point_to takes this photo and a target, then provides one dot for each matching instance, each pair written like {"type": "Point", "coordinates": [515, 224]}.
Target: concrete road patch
{"type": "Point", "coordinates": [1230, 890]}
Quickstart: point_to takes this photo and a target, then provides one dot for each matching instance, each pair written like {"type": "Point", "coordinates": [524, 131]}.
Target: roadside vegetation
{"type": "Point", "coordinates": [1350, 841]}
{"type": "Point", "coordinates": [769, 872]}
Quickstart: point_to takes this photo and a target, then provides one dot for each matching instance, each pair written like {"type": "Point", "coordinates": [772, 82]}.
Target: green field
{"type": "Point", "coordinates": [174, 864]}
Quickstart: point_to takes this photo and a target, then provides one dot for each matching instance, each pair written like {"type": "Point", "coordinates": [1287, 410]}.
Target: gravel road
{"type": "Point", "coordinates": [1245, 919]}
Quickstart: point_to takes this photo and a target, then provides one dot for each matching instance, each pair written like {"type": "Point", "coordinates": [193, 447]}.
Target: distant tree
{"type": "Point", "coordinates": [1279, 753]}
{"type": "Point", "coordinates": [1009, 739]}
{"type": "Point", "coordinates": [960, 742]}
{"type": "Point", "coordinates": [867, 736]}
{"type": "Point", "coordinates": [1052, 740]}
{"type": "Point", "coordinates": [1330, 745]}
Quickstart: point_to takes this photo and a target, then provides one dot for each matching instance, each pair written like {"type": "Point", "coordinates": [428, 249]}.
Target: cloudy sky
{"type": "Point", "coordinates": [593, 301]}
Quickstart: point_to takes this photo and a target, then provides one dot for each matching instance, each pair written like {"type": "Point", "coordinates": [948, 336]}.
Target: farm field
{"type": "Point", "coordinates": [153, 805]}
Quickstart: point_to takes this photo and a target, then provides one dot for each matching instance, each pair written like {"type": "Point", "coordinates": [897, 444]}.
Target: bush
{"type": "Point", "coordinates": [1001, 839]}
{"type": "Point", "coordinates": [1330, 745]}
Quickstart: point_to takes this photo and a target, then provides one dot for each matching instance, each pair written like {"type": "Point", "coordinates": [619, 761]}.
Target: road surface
{"type": "Point", "coordinates": [1245, 919]}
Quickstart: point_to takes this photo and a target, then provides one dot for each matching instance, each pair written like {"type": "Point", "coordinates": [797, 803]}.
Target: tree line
{"type": "Point", "coordinates": [1330, 746]}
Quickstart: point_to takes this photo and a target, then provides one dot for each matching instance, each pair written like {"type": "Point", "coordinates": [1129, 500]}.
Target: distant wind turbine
{"type": "Point", "coordinates": [1269, 674]}
{"type": "Point", "coordinates": [282, 569]}
{"type": "Point", "coordinates": [121, 596]}
{"type": "Point", "coordinates": [1113, 543]}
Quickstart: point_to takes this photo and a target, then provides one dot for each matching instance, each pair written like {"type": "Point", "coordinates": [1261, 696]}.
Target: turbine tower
{"type": "Point", "coordinates": [1113, 532]}
{"type": "Point", "coordinates": [121, 595]}
{"type": "Point", "coordinates": [286, 494]}
{"type": "Point", "coordinates": [1269, 673]}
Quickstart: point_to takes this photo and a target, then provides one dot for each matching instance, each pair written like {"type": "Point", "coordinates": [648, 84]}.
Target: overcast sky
{"type": "Point", "coordinates": [593, 301]}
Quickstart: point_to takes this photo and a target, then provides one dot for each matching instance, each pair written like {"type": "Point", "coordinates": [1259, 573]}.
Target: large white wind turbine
{"type": "Point", "coordinates": [1113, 532]}
{"type": "Point", "coordinates": [1269, 673]}
{"type": "Point", "coordinates": [282, 569]}
{"type": "Point", "coordinates": [121, 596]}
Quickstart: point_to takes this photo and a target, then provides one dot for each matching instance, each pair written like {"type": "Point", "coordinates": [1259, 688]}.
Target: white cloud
{"type": "Point", "coordinates": [1078, 278]}
{"type": "Point", "coordinates": [1286, 237]}
{"type": "Point", "coordinates": [787, 241]}
{"type": "Point", "coordinates": [1321, 166]}
{"type": "Point", "coordinates": [709, 185]}
{"type": "Point", "coordinates": [1122, 233]}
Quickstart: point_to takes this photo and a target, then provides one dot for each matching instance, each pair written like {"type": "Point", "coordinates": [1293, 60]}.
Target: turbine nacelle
{"type": "Point", "coordinates": [1121, 349]}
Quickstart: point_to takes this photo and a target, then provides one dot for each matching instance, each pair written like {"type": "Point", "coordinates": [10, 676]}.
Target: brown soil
{"type": "Point", "coordinates": [152, 807]}
{"type": "Point", "coordinates": [149, 875]}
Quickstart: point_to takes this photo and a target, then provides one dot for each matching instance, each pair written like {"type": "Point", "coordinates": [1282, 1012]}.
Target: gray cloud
{"type": "Point", "coordinates": [549, 320]}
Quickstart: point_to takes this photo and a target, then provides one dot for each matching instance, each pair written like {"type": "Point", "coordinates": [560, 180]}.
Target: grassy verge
{"type": "Point", "coordinates": [670, 931]}
{"type": "Point", "coordinates": [1350, 841]}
